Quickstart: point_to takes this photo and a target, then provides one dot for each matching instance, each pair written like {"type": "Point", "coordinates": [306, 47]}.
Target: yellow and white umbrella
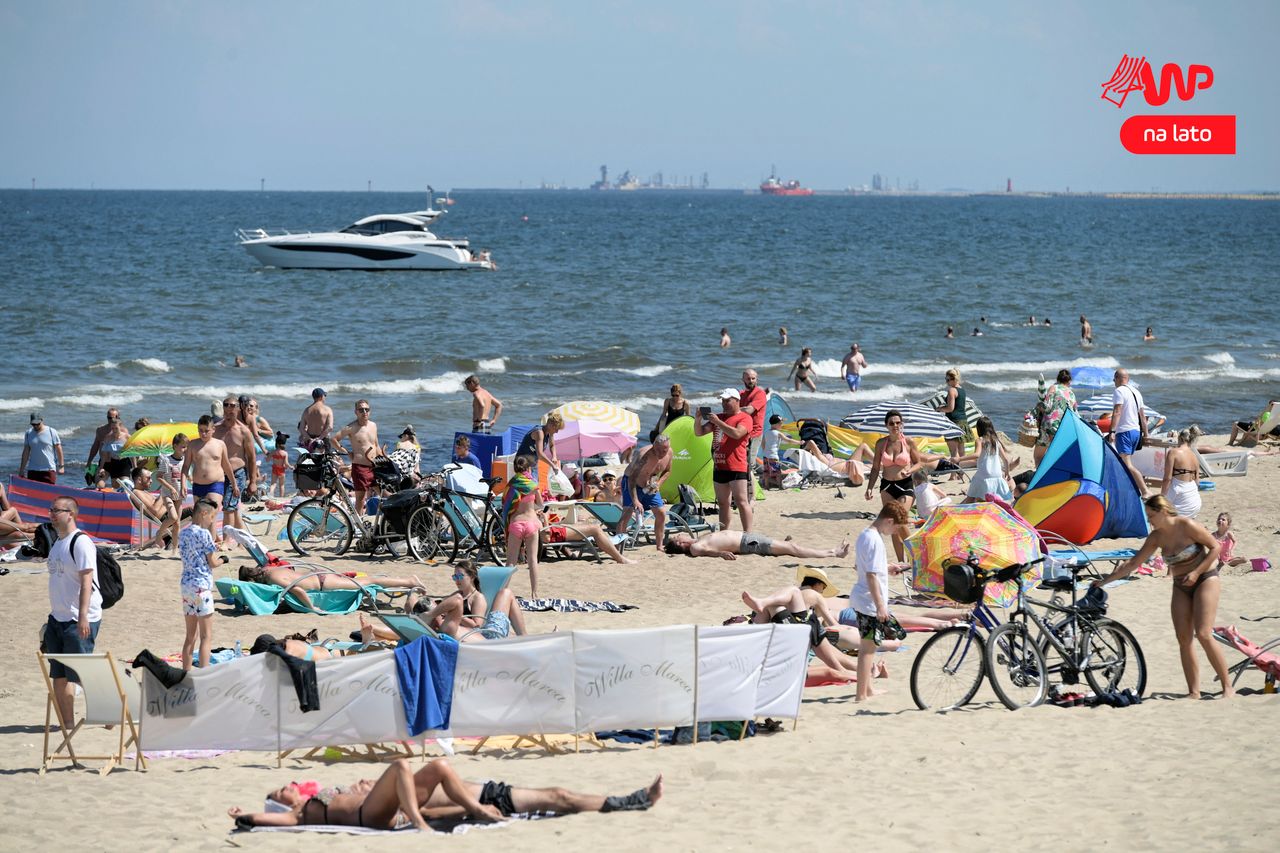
{"type": "Point", "coordinates": [623, 420]}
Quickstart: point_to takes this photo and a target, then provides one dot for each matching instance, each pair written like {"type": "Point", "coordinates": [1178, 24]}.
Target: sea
{"type": "Point", "coordinates": [143, 299]}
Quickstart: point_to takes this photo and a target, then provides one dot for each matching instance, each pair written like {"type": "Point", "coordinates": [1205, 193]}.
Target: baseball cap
{"type": "Point", "coordinates": [37, 418]}
{"type": "Point", "coordinates": [317, 393]}
{"type": "Point", "coordinates": [730, 392]}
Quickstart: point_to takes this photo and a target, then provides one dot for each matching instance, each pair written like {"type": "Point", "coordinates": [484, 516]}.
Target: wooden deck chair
{"type": "Point", "coordinates": [110, 699]}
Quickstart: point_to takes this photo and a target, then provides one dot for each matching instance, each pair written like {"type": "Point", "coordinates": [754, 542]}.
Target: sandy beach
{"type": "Point", "coordinates": [1168, 774]}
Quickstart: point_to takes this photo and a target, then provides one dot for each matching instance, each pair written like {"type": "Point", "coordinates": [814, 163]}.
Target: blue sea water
{"type": "Point", "coordinates": [143, 299]}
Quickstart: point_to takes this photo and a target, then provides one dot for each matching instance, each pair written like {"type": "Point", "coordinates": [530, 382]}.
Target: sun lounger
{"type": "Point", "coordinates": [111, 699]}
{"type": "Point", "coordinates": [1254, 655]}
{"type": "Point", "coordinates": [577, 548]}
{"type": "Point", "coordinates": [262, 599]}
{"type": "Point", "coordinates": [1228, 463]}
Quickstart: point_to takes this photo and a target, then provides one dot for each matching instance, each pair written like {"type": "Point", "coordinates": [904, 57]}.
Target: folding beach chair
{"type": "Point", "coordinates": [1254, 655]}
{"type": "Point", "coordinates": [111, 699]}
{"type": "Point", "coordinates": [640, 525]}
{"type": "Point", "coordinates": [578, 548]}
{"type": "Point", "coordinates": [693, 511]}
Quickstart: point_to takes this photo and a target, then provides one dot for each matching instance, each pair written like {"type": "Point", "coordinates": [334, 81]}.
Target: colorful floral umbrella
{"type": "Point", "coordinates": [584, 438]}
{"type": "Point", "coordinates": [997, 537]}
{"type": "Point", "coordinates": [623, 420]}
{"type": "Point", "coordinates": [156, 439]}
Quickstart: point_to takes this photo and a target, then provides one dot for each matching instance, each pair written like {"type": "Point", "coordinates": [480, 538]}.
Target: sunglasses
{"type": "Point", "coordinates": [895, 423]}
{"type": "Point", "coordinates": [362, 408]}
{"type": "Point", "coordinates": [457, 576]}
{"type": "Point", "coordinates": [52, 510]}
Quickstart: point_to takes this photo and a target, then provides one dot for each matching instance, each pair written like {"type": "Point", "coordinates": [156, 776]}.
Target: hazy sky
{"type": "Point", "coordinates": [327, 95]}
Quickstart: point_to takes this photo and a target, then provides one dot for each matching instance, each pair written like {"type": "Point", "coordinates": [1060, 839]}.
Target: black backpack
{"type": "Point", "coordinates": [110, 581]}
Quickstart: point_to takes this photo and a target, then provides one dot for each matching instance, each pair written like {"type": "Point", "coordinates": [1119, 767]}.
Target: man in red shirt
{"type": "Point", "coordinates": [754, 402]}
{"type": "Point", "coordinates": [732, 434]}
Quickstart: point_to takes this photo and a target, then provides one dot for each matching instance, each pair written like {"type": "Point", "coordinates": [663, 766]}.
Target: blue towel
{"type": "Point", "coordinates": [425, 670]}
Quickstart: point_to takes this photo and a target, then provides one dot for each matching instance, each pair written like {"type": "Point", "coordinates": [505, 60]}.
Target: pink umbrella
{"type": "Point", "coordinates": [580, 439]}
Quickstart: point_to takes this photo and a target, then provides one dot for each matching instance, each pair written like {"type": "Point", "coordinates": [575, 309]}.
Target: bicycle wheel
{"type": "Point", "coordinates": [429, 533]}
{"type": "Point", "coordinates": [948, 669]}
{"type": "Point", "coordinates": [1112, 658]}
{"type": "Point", "coordinates": [1016, 667]}
{"type": "Point", "coordinates": [493, 539]}
{"type": "Point", "coordinates": [317, 526]}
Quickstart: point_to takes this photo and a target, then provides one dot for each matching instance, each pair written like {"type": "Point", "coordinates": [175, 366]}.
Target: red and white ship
{"type": "Point", "coordinates": [773, 186]}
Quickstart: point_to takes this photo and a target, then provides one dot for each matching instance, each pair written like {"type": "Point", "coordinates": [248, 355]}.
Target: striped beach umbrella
{"type": "Point", "coordinates": [156, 439]}
{"type": "Point", "coordinates": [971, 410]}
{"type": "Point", "coordinates": [917, 421]}
{"type": "Point", "coordinates": [623, 420]}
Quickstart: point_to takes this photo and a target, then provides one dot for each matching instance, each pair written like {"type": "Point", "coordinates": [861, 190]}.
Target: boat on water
{"type": "Point", "coordinates": [384, 241]}
{"type": "Point", "coordinates": [772, 185]}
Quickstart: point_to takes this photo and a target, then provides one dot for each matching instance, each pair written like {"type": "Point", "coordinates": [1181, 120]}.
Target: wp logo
{"type": "Point", "coordinates": [1134, 74]}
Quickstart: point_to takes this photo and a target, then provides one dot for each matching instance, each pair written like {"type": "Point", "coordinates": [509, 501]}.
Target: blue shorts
{"type": "Point", "coordinates": [199, 490]}
{"type": "Point", "coordinates": [848, 616]}
{"type": "Point", "coordinates": [64, 638]}
{"type": "Point", "coordinates": [232, 500]}
{"type": "Point", "coordinates": [648, 500]}
{"type": "Point", "coordinates": [853, 380]}
{"type": "Point", "coordinates": [1127, 441]}
{"type": "Point", "coordinates": [497, 626]}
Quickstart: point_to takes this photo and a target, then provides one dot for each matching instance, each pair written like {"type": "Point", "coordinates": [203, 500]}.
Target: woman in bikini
{"type": "Point", "coordinates": [464, 614]}
{"type": "Point", "coordinates": [401, 797]}
{"type": "Point", "coordinates": [300, 582]}
{"type": "Point", "coordinates": [1191, 553]}
{"type": "Point", "coordinates": [1181, 483]}
{"type": "Point", "coordinates": [675, 406]}
{"type": "Point", "coordinates": [803, 369]}
{"type": "Point", "coordinates": [109, 462]}
{"type": "Point", "coordinates": [894, 459]}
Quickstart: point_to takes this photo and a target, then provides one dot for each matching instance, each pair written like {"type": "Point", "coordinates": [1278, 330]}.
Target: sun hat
{"type": "Point", "coordinates": [829, 590]}
{"type": "Point", "coordinates": [730, 393]}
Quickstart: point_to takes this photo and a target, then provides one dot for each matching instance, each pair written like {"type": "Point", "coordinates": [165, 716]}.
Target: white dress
{"type": "Point", "coordinates": [990, 476]}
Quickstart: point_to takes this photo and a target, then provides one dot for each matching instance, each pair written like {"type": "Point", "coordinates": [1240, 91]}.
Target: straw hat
{"type": "Point", "coordinates": [828, 591]}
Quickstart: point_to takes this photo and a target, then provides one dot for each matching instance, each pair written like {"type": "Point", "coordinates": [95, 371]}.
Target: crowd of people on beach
{"type": "Point", "coordinates": [224, 465]}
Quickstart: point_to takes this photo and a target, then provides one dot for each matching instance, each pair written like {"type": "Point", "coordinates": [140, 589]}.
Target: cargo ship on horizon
{"type": "Point", "coordinates": [772, 185]}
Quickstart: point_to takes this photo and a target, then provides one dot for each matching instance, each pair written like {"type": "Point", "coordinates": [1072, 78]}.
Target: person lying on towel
{"type": "Point", "coordinates": [728, 544]}
{"type": "Point", "coordinates": [401, 798]}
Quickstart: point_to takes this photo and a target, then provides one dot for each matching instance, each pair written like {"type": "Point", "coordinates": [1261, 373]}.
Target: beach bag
{"type": "Point", "coordinates": [397, 509]}
{"type": "Point", "coordinates": [559, 484]}
{"type": "Point", "coordinates": [962, 584]}
{"type": "Point", "coordinates": [41, 542]}
{"type": "Point", "coordinates": [309, 473]}
{"type": "Point", "coordinates": [110, 581]}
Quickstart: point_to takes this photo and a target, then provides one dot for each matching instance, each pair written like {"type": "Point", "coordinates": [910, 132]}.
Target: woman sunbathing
{"type": "Point", "coordinates": [400, 797]}
{"type": "Point", "coordinates": [302, 581]}
{"type": "Point", "coordinates": [464, 614]}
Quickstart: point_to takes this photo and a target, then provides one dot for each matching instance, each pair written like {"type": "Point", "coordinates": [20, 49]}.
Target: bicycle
{"type": "Point", "coordinates": [1085, 642]}
{"type": "Point", "coordinates": [328, 524]}
{"type": "Point", "coordinates": [484, 536]}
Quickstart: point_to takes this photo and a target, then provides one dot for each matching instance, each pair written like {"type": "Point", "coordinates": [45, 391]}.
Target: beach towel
{"type": "Point", "coordinates": [572, 605]}
{"type": "Point", "coordinates": [425, 671]}
{"type": "Point", "coordinates": [263, 599]}
{"type": "Point", "coordinates": [520, 485]}
{"type": "Point", "coordinates": [451, 826]}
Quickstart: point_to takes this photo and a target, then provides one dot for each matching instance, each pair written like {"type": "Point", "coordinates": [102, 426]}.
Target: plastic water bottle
{"type": "Point", "coordinates": [238, 652]}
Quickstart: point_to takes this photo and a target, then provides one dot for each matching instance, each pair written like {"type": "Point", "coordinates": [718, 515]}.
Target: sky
{"type": "Point", "coordinates": [320, 95]}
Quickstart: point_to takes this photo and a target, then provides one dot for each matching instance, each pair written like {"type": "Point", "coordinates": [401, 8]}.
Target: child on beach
{"type": "Point", "coordinates": [1227, 542]}
{"type": "Point", "coordinates": [169, 468]}
{"type": "Point", "coordinates": [279, 464]}
{"type": "Point", "coordinates": [868, 608]}
{"type": "Point", "coordinates": [199, 555]}
{"type": "Point", "coordinates": [928, 496]}
{"type": "Point", "coordinates": [521, 505]}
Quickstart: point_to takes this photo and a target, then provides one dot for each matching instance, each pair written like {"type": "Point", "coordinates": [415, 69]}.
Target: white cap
{"type": "Point", "coordinates": [730, 392]}
{"type": "Point", "coordinates": [570, 468]}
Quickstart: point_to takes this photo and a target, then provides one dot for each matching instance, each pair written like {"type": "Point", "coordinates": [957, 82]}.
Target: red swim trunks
{"type": "Point", "coordinates": [361, 478]}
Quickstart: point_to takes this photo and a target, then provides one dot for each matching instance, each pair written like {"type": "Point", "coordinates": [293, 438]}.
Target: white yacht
{"type": "Point", "coordinates": [385, 241]}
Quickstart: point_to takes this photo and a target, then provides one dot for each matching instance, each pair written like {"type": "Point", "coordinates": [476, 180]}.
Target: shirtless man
{"type": "Point", "coordinates": [244, 462]}
{"type": "Point", "coordinates": [207, 464]}
{"type": "Point", "coordinates": [851, 368]}
{"type": "Point", "coordinates": [161, 508]}
{"type": "Point", "coordinates": [1086, 331]}
{"type": "Point", "coordinates": [317, 420]}
{"type": "Point", "coordinates": [641, 483]}
{"type": "Point", "coordinates": [363, 434]}
{"type": "Point", "coordinates": [100, 435]}
{"type": "Point", "coordinates": [481, 402]}
{"type": "Point", "coordinates": [728, 544]}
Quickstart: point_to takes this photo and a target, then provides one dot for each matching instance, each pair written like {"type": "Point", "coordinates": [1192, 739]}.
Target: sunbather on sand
{"type": "Point", "coordinates": [728, 544]}
{"type": "Point", "coordinates": [787, 606]}
{"type": "Point", "coordinates": [852, 468]}
{"type": "Point", "coordinates": [400, 797]}
{"type": "Point", "coordinates": [283, 576]}
{"type": "Point", "coordinates": [293, 647]}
